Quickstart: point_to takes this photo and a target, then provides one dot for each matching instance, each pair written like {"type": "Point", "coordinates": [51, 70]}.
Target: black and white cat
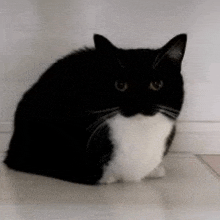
{"type": "Point", "coordinates": [101, 115]}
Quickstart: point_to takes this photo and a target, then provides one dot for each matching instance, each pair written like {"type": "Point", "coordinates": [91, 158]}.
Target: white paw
{"type": "Point", "coordinates": [158, 172]}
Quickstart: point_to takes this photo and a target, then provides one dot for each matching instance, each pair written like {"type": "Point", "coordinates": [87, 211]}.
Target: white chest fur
{"type": "Point", "coordinates": [139, 144]}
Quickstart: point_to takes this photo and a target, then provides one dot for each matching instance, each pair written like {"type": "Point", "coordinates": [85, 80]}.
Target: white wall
{"type": "Point", "coordinates": [34, 33]}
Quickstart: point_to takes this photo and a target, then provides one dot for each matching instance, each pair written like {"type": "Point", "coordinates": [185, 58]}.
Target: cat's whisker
{"type": "Point", "coordinates": [104, 111]}
{"type": "Point", "coordinates": [168, 108]}
{"type": "Point", "coordinates": [171, 112]}
{"type": "Point", "coordinates": [172, 115]}
{"type": "Point", "coordinates": [94, 133]}
{"type": "Point", "coordinates": [101, 119]}
{"type": "Point", "coordinates": [98, 124]}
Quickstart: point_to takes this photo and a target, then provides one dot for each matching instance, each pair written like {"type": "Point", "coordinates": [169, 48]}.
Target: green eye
{"type": "Point", "coordinates": [121, 86]}
{"type": "Point", "coordinates": [156, 85]}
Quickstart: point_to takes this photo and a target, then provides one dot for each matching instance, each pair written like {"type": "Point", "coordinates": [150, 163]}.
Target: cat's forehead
{"type": "Point", "coordinates": [137, 66]}
{"type": "Point", "coordinates": [137, 57]}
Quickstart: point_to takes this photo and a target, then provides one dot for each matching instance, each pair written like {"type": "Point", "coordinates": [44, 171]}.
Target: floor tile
{"type": "Point", "coordinates": [213, 161]}
{"type": "Point", "coordinates": [189, 191]}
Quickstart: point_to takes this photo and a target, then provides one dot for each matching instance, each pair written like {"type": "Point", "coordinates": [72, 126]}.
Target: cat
{"type": "Point", "coordinates": [101, 115]}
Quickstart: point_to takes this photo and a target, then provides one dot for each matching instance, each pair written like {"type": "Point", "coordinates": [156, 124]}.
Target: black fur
{"type": "Point", "coordinates": [55, 121]}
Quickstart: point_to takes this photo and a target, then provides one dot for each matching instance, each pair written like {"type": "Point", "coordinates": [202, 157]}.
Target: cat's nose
{"type": "Point", "coordinates": [148, 112]}
{"type": "Point", "coordinates": [129, 112]}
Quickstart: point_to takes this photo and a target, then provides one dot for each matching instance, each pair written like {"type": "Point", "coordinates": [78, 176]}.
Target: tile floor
{"type": "Point", "coordinates": [190, 190]}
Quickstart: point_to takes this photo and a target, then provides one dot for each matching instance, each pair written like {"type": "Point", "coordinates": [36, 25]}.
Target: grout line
{"type": "Point", "coordinates": [181, 153]}
{"type": "Point", "coordinates": [208, 154]}
{"type": "Point", "coordinates": [195, 121]}
{"type": "Point", "coordinates": [207, 165]}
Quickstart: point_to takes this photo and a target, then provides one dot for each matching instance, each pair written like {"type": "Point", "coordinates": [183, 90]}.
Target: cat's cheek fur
{"type": "Point", "coordinates": [139, 144]}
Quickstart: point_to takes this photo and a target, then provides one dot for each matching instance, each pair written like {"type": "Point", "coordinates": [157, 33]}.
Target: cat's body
{"type": "Point", "coordinates": [100, 115]}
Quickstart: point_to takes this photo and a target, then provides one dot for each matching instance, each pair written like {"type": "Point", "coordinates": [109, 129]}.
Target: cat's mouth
{"type": "Point", "coordinates": [136, 111]}
{"type": "Point", "coordinates": [151, 111]}
{"type": "Point", "coordinates": [129, 112]}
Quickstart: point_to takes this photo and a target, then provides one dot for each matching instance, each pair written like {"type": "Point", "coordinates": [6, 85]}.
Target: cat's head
{"type": "Point", "coordinates": [144, 81]}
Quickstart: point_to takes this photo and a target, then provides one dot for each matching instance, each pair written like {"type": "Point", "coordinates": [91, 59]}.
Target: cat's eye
{"type": "Point", "coordinates": [156, 85]}
{"type": "Point", "coordinates": [121, 86]}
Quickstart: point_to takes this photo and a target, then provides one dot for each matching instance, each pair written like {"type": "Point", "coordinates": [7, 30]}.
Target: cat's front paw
{"type": "Point", "coordinates": [158, 172]}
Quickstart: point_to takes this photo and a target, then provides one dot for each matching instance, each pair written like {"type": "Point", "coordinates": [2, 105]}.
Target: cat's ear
{"type": "Point", "coordinates": [102, 43]}
{"type": "Point", "coordinates": [172, 52]}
